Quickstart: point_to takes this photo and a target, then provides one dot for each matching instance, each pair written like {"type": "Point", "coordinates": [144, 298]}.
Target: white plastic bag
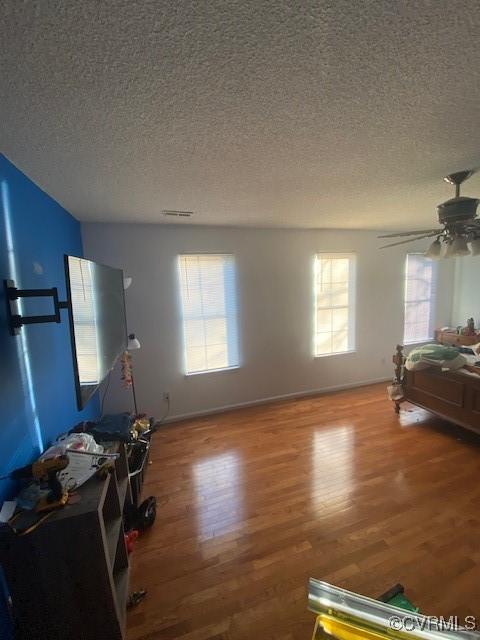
{"type": "Point", "coordinates": [73, 442]}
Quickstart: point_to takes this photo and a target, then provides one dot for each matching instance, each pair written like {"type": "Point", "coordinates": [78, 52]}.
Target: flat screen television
{"type": "Point", "coordinates": [98, 327]}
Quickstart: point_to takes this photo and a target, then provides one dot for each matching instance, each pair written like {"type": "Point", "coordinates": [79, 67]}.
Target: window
{"type": "Point", "coordinates": [420, 285]}
{"type": "Point", "coordinates": [83, 308]}
{"type": "Point", "coordinates": [334, 303]}
{"type": "Point", "coordinates": [209, 308]}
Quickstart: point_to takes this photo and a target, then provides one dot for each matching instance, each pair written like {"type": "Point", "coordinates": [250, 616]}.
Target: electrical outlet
{"type": "Point", "coordinates": [166, 396]}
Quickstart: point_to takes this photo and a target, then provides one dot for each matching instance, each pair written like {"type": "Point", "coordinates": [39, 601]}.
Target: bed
{"type": "Point", "coordinates": [452, 395]}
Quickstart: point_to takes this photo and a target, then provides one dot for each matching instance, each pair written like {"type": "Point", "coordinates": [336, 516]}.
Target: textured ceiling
{"type": "Point", "coordinates": [298, 114]}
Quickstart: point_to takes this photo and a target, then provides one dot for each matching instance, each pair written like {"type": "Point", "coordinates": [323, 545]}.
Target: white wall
{"type": "Point", "coordinates": [274, 274]}
{"type": "Point", "coordinates": [466, 301]}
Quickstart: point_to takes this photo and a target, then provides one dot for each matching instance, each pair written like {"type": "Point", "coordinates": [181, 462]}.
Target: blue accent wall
{"type": "Point", "coordinates": [37, 388]}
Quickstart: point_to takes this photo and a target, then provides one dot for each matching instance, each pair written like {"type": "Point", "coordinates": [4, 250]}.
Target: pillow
{"type": "Point", "coordinates": [436, 355]}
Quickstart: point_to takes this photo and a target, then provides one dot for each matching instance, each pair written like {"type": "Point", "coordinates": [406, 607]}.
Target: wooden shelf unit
{"type": "Point", "coordinates": [68, 578]}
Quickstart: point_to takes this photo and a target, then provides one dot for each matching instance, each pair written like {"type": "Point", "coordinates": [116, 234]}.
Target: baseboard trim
{"type": "Point", "coordinates": [285, 396]}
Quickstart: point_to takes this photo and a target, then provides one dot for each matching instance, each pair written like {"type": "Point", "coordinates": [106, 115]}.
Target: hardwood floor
{"type": "Point", "coordinates": [253, 502]}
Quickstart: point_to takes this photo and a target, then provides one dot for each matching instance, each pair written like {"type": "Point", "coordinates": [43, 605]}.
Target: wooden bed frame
{"type": "Point", "coordinates": [451, 395]}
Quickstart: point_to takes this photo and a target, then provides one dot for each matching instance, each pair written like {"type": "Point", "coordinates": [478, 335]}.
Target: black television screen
{"type": "Point", "coordinates": [97, 322]}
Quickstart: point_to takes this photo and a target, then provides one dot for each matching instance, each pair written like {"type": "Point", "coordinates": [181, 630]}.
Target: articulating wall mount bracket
{"type": "Point", "coordinates": [16, 320]}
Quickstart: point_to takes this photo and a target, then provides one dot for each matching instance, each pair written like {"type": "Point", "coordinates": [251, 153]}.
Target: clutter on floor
{"type": "Point", "coordinates": [84, 489]}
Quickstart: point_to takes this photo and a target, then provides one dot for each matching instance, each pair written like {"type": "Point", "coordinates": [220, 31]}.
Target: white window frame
{"type": "Point", "coordinates": [432, 299]}
{"type": "Point", "coordinates": [231, 318]}
{"type": "Point", "coordinates": [350, 306]}
{"type": "Point", "coordinates": [85, 314]}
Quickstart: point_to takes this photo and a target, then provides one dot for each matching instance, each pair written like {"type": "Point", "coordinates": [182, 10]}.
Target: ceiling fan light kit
{"type": "Point", "coordinates": [434, 251]}
{"type": "Point", "coordinates": [460, 225]}
{"type": "Point", "coordinates": [475, 247]}
{"type": "Point", "coordinates": [457, 248]}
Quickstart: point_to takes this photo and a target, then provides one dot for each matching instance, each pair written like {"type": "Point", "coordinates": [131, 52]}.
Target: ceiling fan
{"type": "Point", "coordinates": [460, 225]}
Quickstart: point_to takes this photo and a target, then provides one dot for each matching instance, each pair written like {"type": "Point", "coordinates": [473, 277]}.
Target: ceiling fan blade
{"type": "Point", "coordinates": [395, 244]}
{"type": "Point", "coordinates": [409, 233]}
{"type": "Point", "coordinates": [473, 224]}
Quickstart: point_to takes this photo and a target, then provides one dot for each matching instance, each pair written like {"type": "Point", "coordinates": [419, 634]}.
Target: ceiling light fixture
{"type": "Point", "coordinates": [475, 247]}
{"type": "Point", "coordinates": [457, 247]}
{"type": "Point", "coordinates": [460, 225]}
{"type": "Point", "coordinates": [449, 251]}
{"type": "Point", "coordinates": [460, 246]}
{"type": "Point", "coordinates": [434, 251]}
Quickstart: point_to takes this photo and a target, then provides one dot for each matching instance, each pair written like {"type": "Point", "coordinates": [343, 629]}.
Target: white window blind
{"type": "Point", "coordinates": [420, 291]}
{"type": "Point", "coordinates": [209, 309]}
{"type": "Point", "coordinates": [83, 308]}
{"type": "Point", "coordinates": [334, 287]}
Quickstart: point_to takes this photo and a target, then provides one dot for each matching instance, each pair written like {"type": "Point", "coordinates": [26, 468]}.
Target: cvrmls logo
{"type": "Point", "coordinates": [432, 623]}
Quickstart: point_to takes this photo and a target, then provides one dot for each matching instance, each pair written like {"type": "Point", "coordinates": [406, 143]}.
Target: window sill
{"type": "Point", "coordinates": [415, 342]}
{"type": "Point", "coordinates": [337, 353]}
{"type": "Point", "coordinates": [201, 373]}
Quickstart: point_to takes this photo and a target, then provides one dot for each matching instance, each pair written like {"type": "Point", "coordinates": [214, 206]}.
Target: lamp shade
{"type": "Point", "coordinates": [459, 247]}
{"type": "Point", "coordinates": [434, 250]}
{"type": "Point", "coordinates": [133, 342]}
{"type": "Point", "coordinates": [126, 283]}
{"type": "Point", "coordinates": [475, 247]}
{"type": "Point", "coordinates": [449, 250]}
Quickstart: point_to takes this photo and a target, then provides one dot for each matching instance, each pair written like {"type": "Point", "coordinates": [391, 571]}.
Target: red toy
{"type": "Point", "coordinates": [130, 538]}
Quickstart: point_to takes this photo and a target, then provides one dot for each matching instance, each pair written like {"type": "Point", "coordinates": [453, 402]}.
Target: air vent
{"type": "Point", "coordinates": [177, 214]}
